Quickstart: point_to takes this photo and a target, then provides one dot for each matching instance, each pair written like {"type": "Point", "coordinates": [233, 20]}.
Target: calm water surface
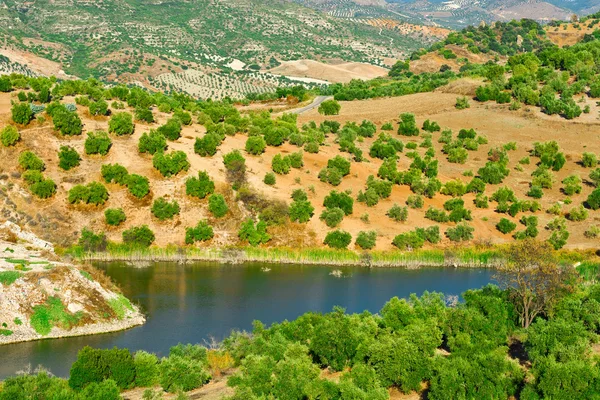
{"type": "Point", "coordinates": [192, 303]}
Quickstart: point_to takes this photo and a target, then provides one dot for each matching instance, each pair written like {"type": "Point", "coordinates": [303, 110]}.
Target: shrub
{"type": "Point", "coordinates": [254, 234]}
{"type": "Point", "coordinates": [458, 155]}
{"type": "Point", "coordinates": [301, 211]}
{"type": "Point", "coordinates": [93, 193]}
{"type": "Point", "coordinates": [454, 188]}
{"type": "Point", "coordinates": [199, 233]}
{"type": "Point", "coordinates": [28, 160]}
{"type": "Point", "coordinates": [460, 233]}
{"type": "Point", "coordinates": [536, 192]}
{"type": "Point", "coordinates": [33, 176]}
{"type": "Point", "coordinates": [577, 214]}
{"type": "Point", "coordinates": [163, 209]}
{"type": "Point", "coordinates": [90, 241]}
{"type": "Point", "coordinates": [182, 373]}
{"type": "Point", "coordinates": [217, 205]}
{"type": "Point", "coordinates": [398, 213]}
{"type": "Point", "coordinates": [97, 143]}
{"type": "Point", "coordinates": [144, 114]}
{"type": "Point", "coordinates": [331, 176]}
{"type": "Point", "coordinates": [199, 187]}
{"type": "Point", "coordinates": [138, 185]}
{"type": "Point", "coordinates": [234, 162]}
{"type": "Point", "coordinates": [436, 215]}
{"type": "Point", "coordinates": [493, 173]}
{"type": "Point", "coordinates": [296, 160]}
{"type": "Point", "coordinates": [139, 236]}
{"type": "Point", "coordinates": [481, 201]}
{"type": "Point", "coordinates": [332, 216]}
{"type": "Point", "coordinates": [43, 189]}
{"type": "Point", "coordinates": [366, 240]}
{"type": "Point", "coordinates": [207, 145]}
{"type": "Point", "coordinates": [506, 226]}
{"type": "Point", "coordinates": [97, 365]}
{"type": "Point", "coordinates": [558, 238]}
{"type": "Point", "coordinates": [408, 125]}
{"type": "Point", "coordinates": [256, 145]}
{"type": "Point", "coordinates": [589, 160]}
{"type": "Point", "coordinates": [572, 185]}
{"type": "Point", "coordinates": [339, 163]}
{"type": "Point", "coordinates": [68, 158]}
{"type": "Point", "coordinates": [171, 130]}
{"type": "Point", "coordinates": [462, 103]}
{"type": "Point", "coordinates": [152, 142]}
{"type": "Point", "coordinates": [276, 136]}
{"type": "Point", "coordinates": [281, 165]}
{"type": "Point", "coordinates": [408, 241]}
{"type": "Point", "coordinates": [147, 373]}
{"type": "Point", "coordinates": [114, 216]}
{"type": "Point", "coordinates": [21, 113]}
{"type": "Point", "coordinates": [121, 123]}
{"type": "Point", "coordinates": [99, 107]}
{"type": "Point", "coordinates": [340, 200]}
{"type": "Point", "coordinates": [184, 117]}
{"type": "Point", "coordinates": [595, 177]}
{"type": "Point", "coordinates": [338, 239]}
{"type": "Point", "coordinates": [67, 123]}
{"type": "Point", "coordinates": [9, 136]}
{"type": "Point", "coordinates": [329, 107]}
{"type": "Point", "coordinates": [269, 179]}
{"type": "Point", "coordinates": [114, 173]}
{"type": "Point", "coordinates": [170, 164]}
{"type": "Point", "coordinates": [476, 186]}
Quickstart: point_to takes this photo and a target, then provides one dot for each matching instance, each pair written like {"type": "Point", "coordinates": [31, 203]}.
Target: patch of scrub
{"type": "Point", "coordinates": [5, 332]}
{"type": "Point", "coordinates": [9, 277]}
{"type": "Point", "coordinates": [120, 304]}
{"type": "Point", "coordinates": [53, 313]}
{"type": "Point", "coordinates": [86, 275]}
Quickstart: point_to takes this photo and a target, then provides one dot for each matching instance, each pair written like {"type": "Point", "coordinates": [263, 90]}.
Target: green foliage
{"type": "Point", "coordinates": [99, 107]}
{"type": "Point", "coordinates": [398, 213]}
{"type": "Point", "coordinates": [460, 233]}
{"type": "Point", "coordinates": [67, 122]}
{"type": "Point", "coordinates": [454, 188]}
{"type": "Point", "coordinates": [97, 365]}
{"type": "Point", "coordinates": [52, 313]}
{"type": "Point", "coordinates": [207, 145]}
{"type": "Point", "coordinates": [269, 179]}
{"type": "Point", "coordinates": [93, 193]}
{"type": "Point", "coordinates": [9, 136]}
{"type": "Point", "coordinates": [92, 242]}
{"type": "Point", "coordinates": [170, 164]}
{"type": "Point", "coordinates": [329, 107]}
{"type": "Point", "coordinates": [147, 371]}
{"type": "Point", "coordinates": [139, 186]}
{"type": "Point", "coordinates": [141, 236]}
{"type": "Point", "coordinates": [256, 145]}
{"type": "Point", "coordinates": [506, 226]}
{"type": "Point", "coordinates": [21, 113]}
{"type": "Point", "coordinates": [217, 205]}
{"type": "Point", "coordinates": [68, 158]}
{"type": "Point", "coordinates": [199, 187]}
{"type": "Point", "coordinates": [44, 188]}
{"type": "Point", "coordinates": [114, 173]}
{"type": "Point", "coordinates": [577, 214]}
{"type": "Point", "coordinates": [366, 240]}
{"type": "Point", "coordinates": [462, 103]}
{"type": "Point", "coordinates": [281, 165]}
{"type": "Point", "coordinates": [121, 123]}
{"type": "Point", "coordinates": [339, 200]}
{"type": "Point", "coordinates": [171, 129]}
{"type": "Point", "coordinates": [254, 234]}
{"type": "Point", "coordinates": [301, 210]}
{"type": "Point", "coordinates": [29, 161]}
{"type": "Point", "coordinates": [144, 114]}
{"type": "Point", "coordinates": [163, 209]}
{"type": "Point", "coordinates": [97, 143]}
{"type": "Point", "coordinates": [408, 125]}
{"type": "Point", "coordinates": [332, 216]}
{"type": "Point", "coordinates": [199, 233]}
{"type": "Point", "coordinates": [9, 277]}
{"type": "Point", "coordinates": [589, 160]}
{"type": "Point", "coordinates": [115, 216]}
{"type": "Point", "coordinates": [152, 142]}
{"type": "Point", "coordinates": [338, 239]}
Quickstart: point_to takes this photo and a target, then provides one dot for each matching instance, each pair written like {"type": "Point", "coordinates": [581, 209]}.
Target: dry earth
{"type": "Point", "coordinates": [336, 73]}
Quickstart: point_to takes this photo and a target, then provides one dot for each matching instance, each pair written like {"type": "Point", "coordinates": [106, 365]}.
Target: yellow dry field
{"type": "Point", "coordinates": [56, 220]}
{"type": "Point", "coordinates": [336, 73]}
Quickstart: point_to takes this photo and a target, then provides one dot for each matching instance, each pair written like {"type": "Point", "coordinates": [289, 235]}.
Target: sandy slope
{"type": "Point", "coordinates": [335, 73]}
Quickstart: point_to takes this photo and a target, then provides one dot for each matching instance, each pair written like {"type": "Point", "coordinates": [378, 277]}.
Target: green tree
{"type": "Point", "coordinates": [21, 113]}
{"type": "Point", "coordinates": [329, 107]}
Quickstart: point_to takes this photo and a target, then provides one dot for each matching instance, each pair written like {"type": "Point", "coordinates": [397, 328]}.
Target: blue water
{"type": "Point", "coordinates": [191, 303]}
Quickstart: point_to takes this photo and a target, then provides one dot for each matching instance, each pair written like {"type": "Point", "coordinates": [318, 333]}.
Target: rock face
{"type": "Point", "coordinates": [42, 297]}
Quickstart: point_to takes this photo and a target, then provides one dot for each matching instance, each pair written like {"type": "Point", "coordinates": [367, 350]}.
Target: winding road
{"type": "Point", "coordinates": [316, 103]}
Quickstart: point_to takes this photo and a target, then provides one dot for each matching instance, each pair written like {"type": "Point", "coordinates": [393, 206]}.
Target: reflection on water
{"type": "Point", "coordinates": [192, 303]}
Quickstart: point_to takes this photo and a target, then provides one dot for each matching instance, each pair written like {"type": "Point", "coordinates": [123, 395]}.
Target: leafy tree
{"type": "Point", "coordinates": [217, 205]}
{"type": "Point", "coordinates": [29, 161]}
{"type": "Point", "coordinates": [338, 239]}
{"type": "Point", "coordinates": [163, 209]}
{"type": "Point", "coordinates": [182, 373]}
{"type": "Point", "coordinates": [339, 200]}
{"type": "Point", "coordinates": [147, 372]}
{"type": "Point", "coordinates": [171, 130]}
{"type": "Point", "coordinates": [398, 213]}
{"type": "Point", "coordinates": [199, 187]}
{"type": "Point", "coordinates": [144, 114]}
{"type": "Point", "coordinates": [114, 173]}
{"type": "Point", "coordinates": [207, 145]}
{"type": "Point", "coordinates": [460, 233]}
{"type": "Point", "coordinates": [170, 164]}
{"type": "Point", "coordinates": [332, 216]}
{"type": "Point", "coordinates": [199, 233]}
{"type": "Point", "coordinates": [97, 143]}
{"type": "Point", "coordinates": [99, 107]}
{"type": "Point", "coordinates": [269, 179]}
{"type": "Point", "coordinates": [366, 240]}
{"type": "Point", "coordinates": [152, 142]}
{"type": "Point", "coordinates": [68, 158]}
{"type": "Point", "coordinates": [44, 189]}
{"type": "Point", "coordinates": [408, 125]}
{"type": "Point", "coordinates": [9, 136]}
{"type": "Point", "coordinates": [121, 123]}
{"type": "Point", "coordinates": [138, 185]}
{"type": "Point", "coordinates": [329, 107]}
{"type": "Point", "coordinates": [67, 122]}
{"type": "Point", "coordinates": [301, 211]}
{"type": "Point", "coordinates": [281, 165]}
{"type": "Point", "coordinates": [21, 113]}
{"type": "Point", "coordinates": [139, 236]}
{"type": "Point", "coordinates": [114, 216]}
{"type": "Point", "coordinates": [506, 226]}
{"type": "Point", "coordinates": [254, 234]}
{"type": "Point", "coordinates": [256, 145]}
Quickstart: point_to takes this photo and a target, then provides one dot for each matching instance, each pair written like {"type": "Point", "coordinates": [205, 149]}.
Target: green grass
{"type": "Point", "coordinates": [5, 332]}
{"type": "Point", "coordinates": [15, 261]}
{"type": "Point", "coordinates": [18, 321]}
{"type": "Point", "coordinates": [9, 277]}
{"type": "Point", "coordinates": [53, 313]}
{"type": "Point", "coordinates": [589, 270]}
{"type": "Point", "coordinates": [120, 305]}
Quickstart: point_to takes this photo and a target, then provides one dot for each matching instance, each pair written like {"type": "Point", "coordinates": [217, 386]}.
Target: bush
{"type": "Point", "coordinates": [67, 123]}
{"type": "Point", "coordinates": [163, 209]}
{"type": "Point", "coordinates": [301, 211]}
{"type": "Point", "coordinates": [329, 107]}
{"type": "Point", "coordinates": [114, 173]}
{"type": "Point", "coordinates": [234, 162]}
{"type": "Point", "coordinates": [462, 103]}
{"type": "Point", "coordinates": [332, 216]}
{"type": "Point", "coordinates": [199, 187]}
{"type": "Point", "coordinates": [269, 179]}
{"type": "Point", "coordinates": [139, 236]}
{"type": "Point", "coordinates": [170, 164]}
{"type": "Point", "coordinates": [460, 233]}
{"type": "Point", "coordinates": [68, 158]}
{"type": "Point", "coordinates": [408, 125]}
{"type": "Point", "coordinates": [184, 117]}
{"type": "Point", "coordinates": [454, 188]}
{"type": "Point", "coordinates": [296, 160]}
{"type": "Point", "coordinates": [331, 176]}
{"type": "Point", "coordinates": [138, 185]}
{"type": "Point", "coordinates": [43, 189]}
{"type": "Point", "coordinates": [217, 205]}
{"type": "Point", "coordinates": [9, 136]}
{"type": "Point", "coordinates": [121, 123]}
{"type": "Point", "coordinates": [207, 145]}
{"type": "Point", "coordinates": [589, 160]}
{"type": "Point", "coordinates": [339, 163]}
{"type": "Point", "coordinates": [28, 161]}
{"type": "Point", "coordinates": [577, 214]}
{"type": "Point", "coordinates": [114, 216]}
{"type": "Point", "coordinates": [144, 114]}
{"type": "Point", "coordinates": [398, 213]}
{"type": "Point", "coordinates": [93, 193]}
{"type": "Point", "coordinates": [415, 201]}
{"type": "Point", "coordinates": [535, 192]}
{"type": "Point", "coordinates": [152, 142]}
{"type": "Point", "coordinates": [281, 165]}
{"type": "Point", "coordinates": [99, 107]}
{"type": "Point", "coordinates": [254, 234]}
{"type": "Point", "coordinates": [147, 373]}
{"type": "Point", "coordinates": [256, 145]}
{"type": "Point", "coordinates": [493, 173]}
{"type": "Point", "coordinates": [408, 241]}
{"type": "Point", "coordinates": [506, 226]}
{"type": "Point", "coordinates": [199, 233]}
{"type": "Point", "coordinates": [90, 241]}
{"type": "Point", "coordinates": [339, 200]}
{"type": "Point", "coordinates": [338, 239]}
{"type": "Point", "coordinates": [21, 113]}
{"type": "Point", "coordinates": [171, 130]}
{"type": "Point", "coordinates": [182, 373]}
{"type": "Point", "coordinates": [97, 365]}
{"type": "Point", "coordinates": [366, 240]}
{"type": "Point", "coordinates": [97, 143]}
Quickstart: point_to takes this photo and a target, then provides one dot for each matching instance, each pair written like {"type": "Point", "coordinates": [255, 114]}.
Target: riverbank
{"type": "Point", "coordinates": [457, 257]}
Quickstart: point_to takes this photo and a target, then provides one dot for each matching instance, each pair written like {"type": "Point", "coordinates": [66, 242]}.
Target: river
{"type": "Point", "coordinates": [194, 302]}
